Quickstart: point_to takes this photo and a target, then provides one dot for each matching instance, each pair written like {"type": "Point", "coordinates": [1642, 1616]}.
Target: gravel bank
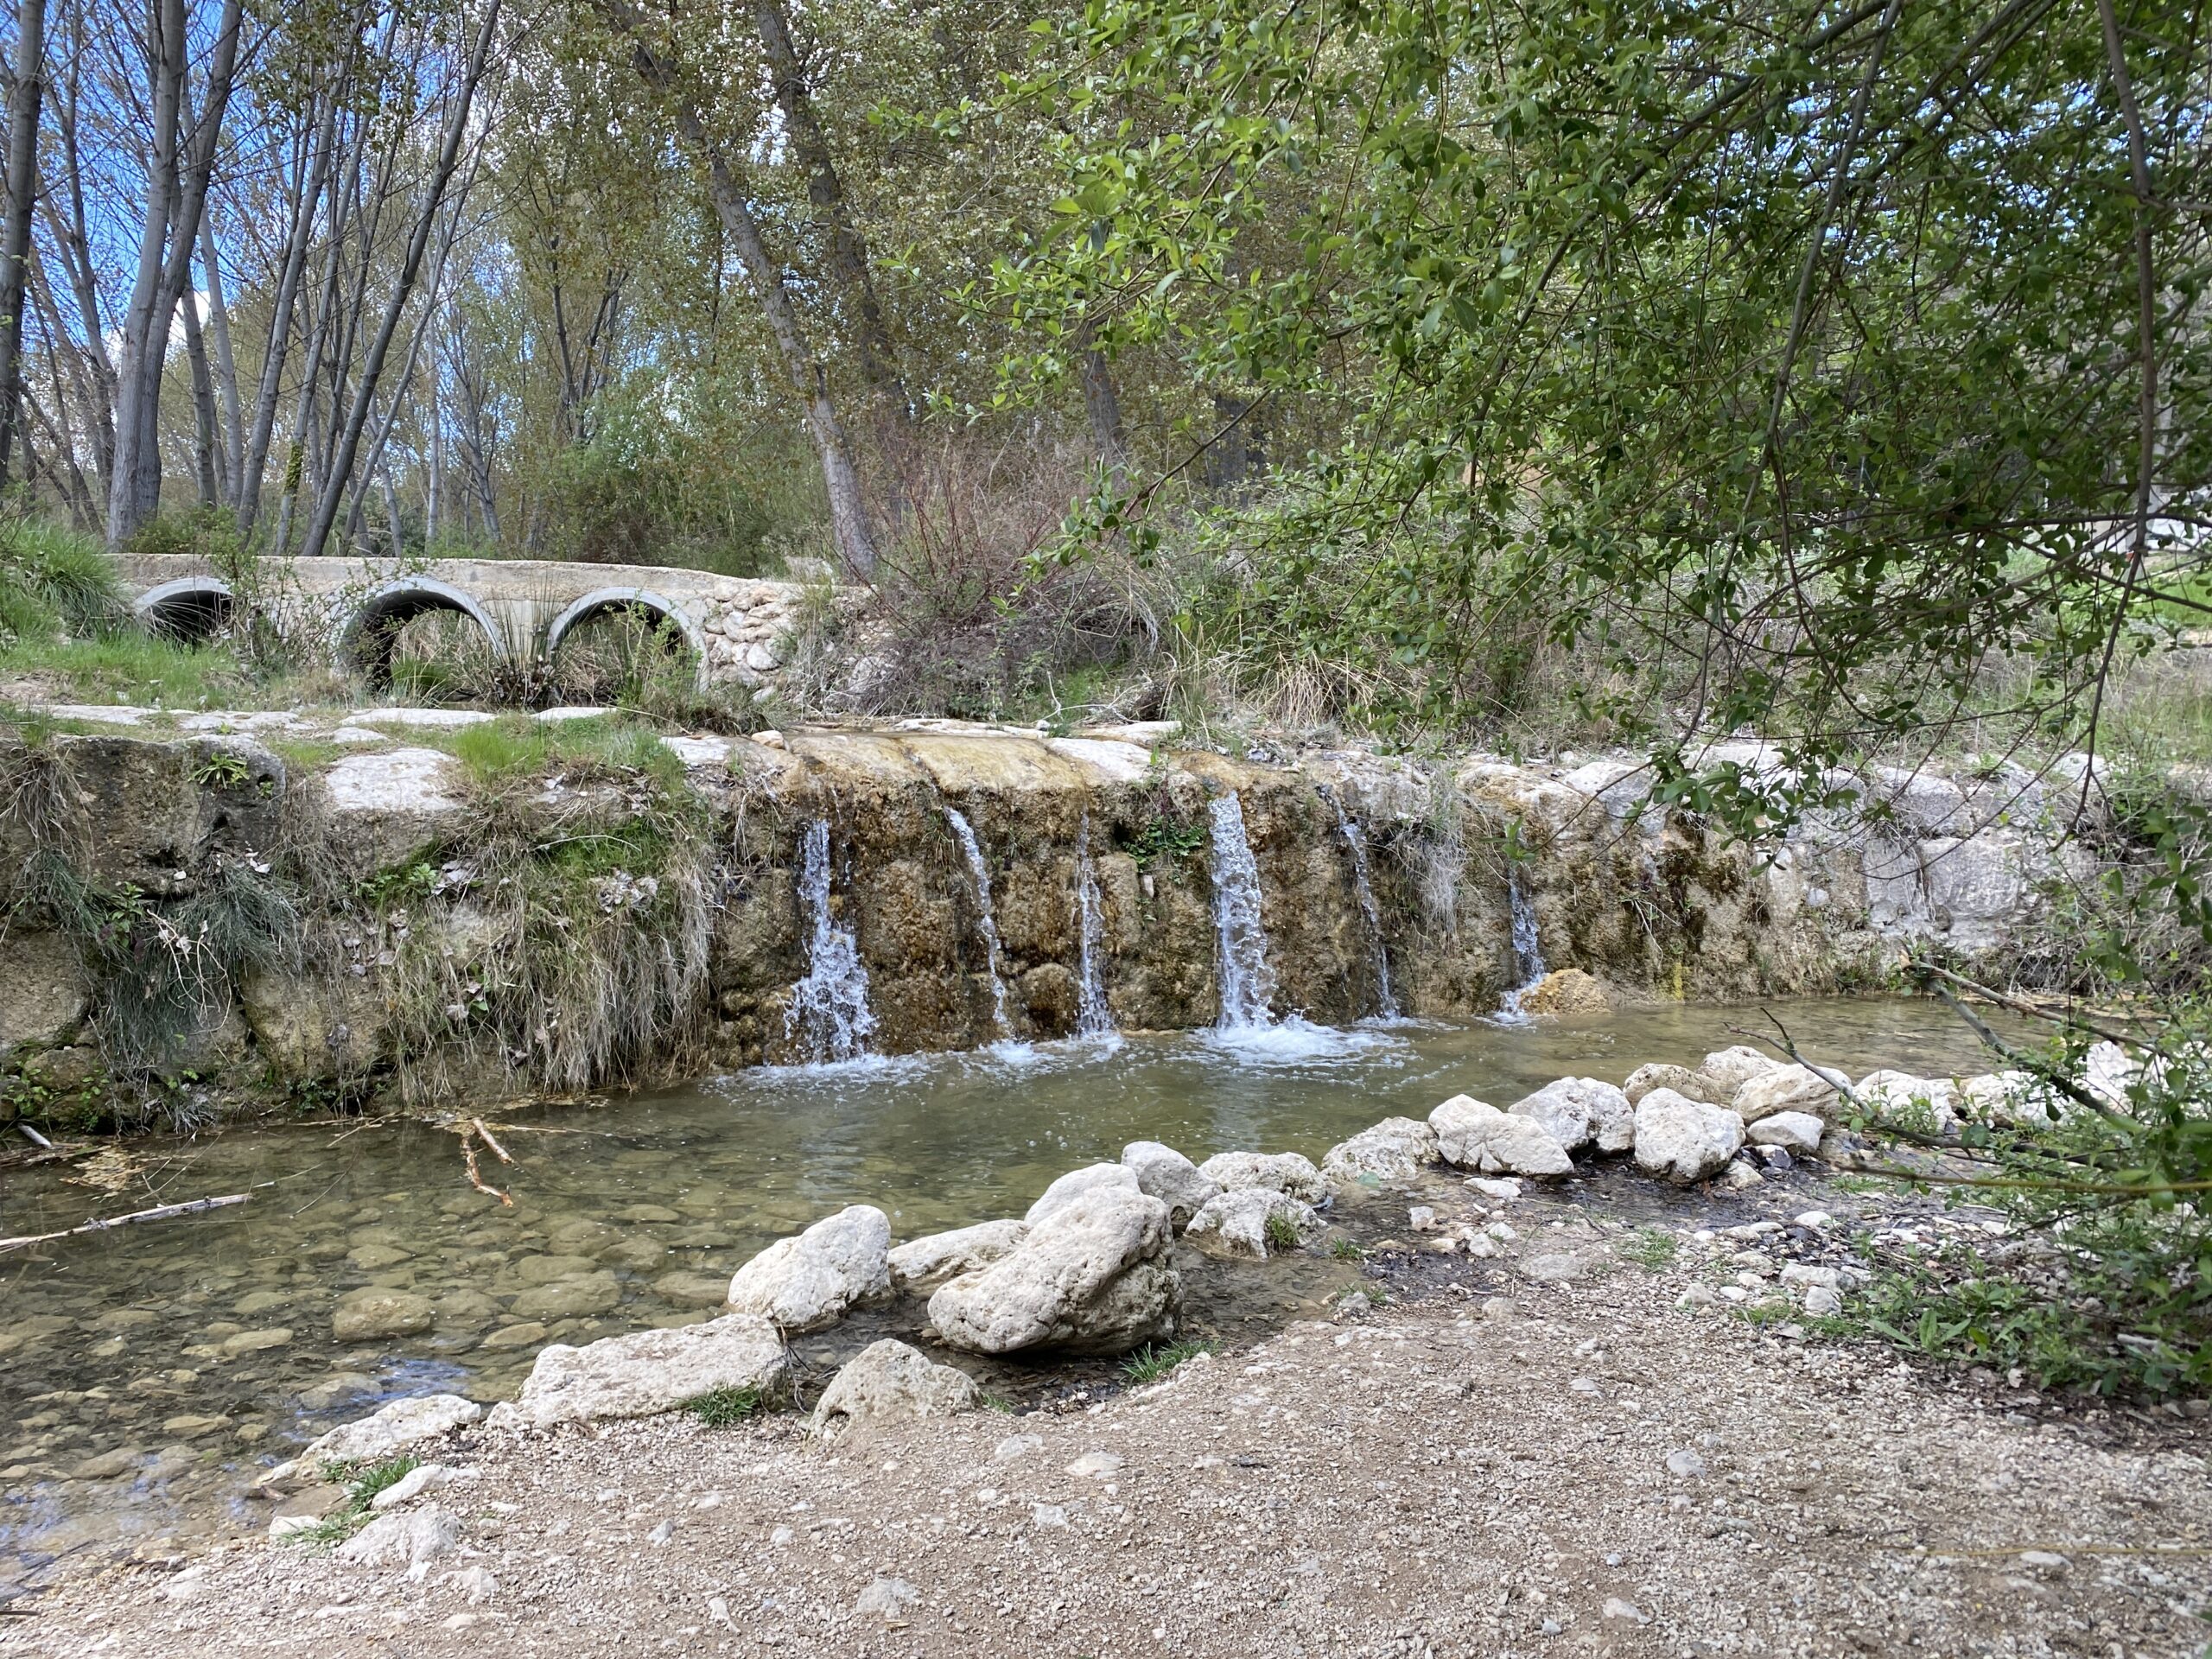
{"type": "Point", "coordinates": [1581, 1468]}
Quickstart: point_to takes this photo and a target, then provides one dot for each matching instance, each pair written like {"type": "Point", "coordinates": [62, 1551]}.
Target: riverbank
{"type": "Point", "coordinates": [1538, 1453]}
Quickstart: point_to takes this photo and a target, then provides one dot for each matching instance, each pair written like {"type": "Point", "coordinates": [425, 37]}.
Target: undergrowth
{"type": "Point", "coordinates": [362, 1483]}
{"type": "Point", "coordinates": [563, 943]}
{"type": "Point", "coordinates": [1150, 1364]}
{"type": "Point", "coordinates": [726, 1407]}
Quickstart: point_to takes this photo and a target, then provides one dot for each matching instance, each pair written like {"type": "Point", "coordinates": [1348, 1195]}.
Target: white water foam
{"type": "Point", "coordinates": [1248, 980]}
{"type": "Point", "coordinates": [829, 1005]}
{"type": "Point", "coordinates": [1528, 949]}
{"type": "Point", "coordinates": [1094, 1017]}
{"type": "Point", "coordinates": [1386, 1003]}
{"type": "Point", "coordinates": [987, 924]}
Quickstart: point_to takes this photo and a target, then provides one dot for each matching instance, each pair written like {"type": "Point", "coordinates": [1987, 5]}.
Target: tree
{"type": "Point", "coordinates": [26, 90]}
{"type": "Point", "coordinates": [1793, 350]}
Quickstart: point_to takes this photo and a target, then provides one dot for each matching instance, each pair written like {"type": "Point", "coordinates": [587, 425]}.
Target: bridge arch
{"type": "Point", "coordinates": [194, 609]}
{"type": "Point", "coordinates": [366, 635]}
{"type": "Point", "coordinates": [602, 600]}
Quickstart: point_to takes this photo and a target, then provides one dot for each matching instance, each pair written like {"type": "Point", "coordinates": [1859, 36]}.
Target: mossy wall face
{"type": "Point", "coordinates": [411, 969]}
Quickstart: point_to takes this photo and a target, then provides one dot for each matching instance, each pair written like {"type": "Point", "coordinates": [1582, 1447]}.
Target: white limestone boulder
{"type": "Point", "coordinates": [936, 1256]}
{"type": "Point", "coordinates": [648, 1372]}
{"type": "Point", "coordinates": [1785, 1089]}
{"type": "Point", "coordinates": [1581, 1112]}
{"type": "Point", "coordinates": [1642, 1080]}
{"type": "Point", "coordinates": [1093, 1277]}
{"type": "Point", "coordinates": [1288, 1172]}
{"type": "Point", "coordinates": [1396, 1149]}
{"type": "Point", "coordinates": [1238, 1224]}
{"type": "Point", "coordinates": [889, 1381]}
{"type": "Point", "coordinates": [1726, 1069]}
{"type": "Point", "coordinates": [1164, 1173]}
{"type": "Point", "coordinates": [408, 1538]}
{"type": "Point", "coordinates": [1899, 1094]}
{"type": "Point", "coordinates": [1684, 1139]}
{"type": "Point", "coordinates": [806, 1283]}
{"type": "Point", "coordinates": [371, 1439]}
{"type": "Point", "coordinates": [1065, 1191]}
{"type": "Point", "coordinates": [1475, 1134]}
{"type": "Point", "coordinates": [1794, 1132]}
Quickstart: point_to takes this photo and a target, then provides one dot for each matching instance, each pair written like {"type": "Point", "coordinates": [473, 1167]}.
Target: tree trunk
{"type": "Point", "coordinates": [232, 452]}
{"type": "Point", "coordinates": [825, 192]}
{"type": "Point", "coordinates": [181, 166]}
{"type": "Point", "coordinates": [15, 229]}
{"type": "Point", "coordinates": [314, 172]}
{"type": "Point", "coordinates": [203, 404]}
{"type": "Point", "coordinates": [849, 516]}
{"type": "Point", "coordinates": [1102, 404]}
{"type": "Point", "coordinates": [349, 443]}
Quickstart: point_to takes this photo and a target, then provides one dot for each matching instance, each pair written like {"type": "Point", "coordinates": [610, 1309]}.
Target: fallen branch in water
{"type": "Point", "coordinates": [477, 1123]}
{"type": "Point", "coordinates": [161, 1213]}
{"type": "Point", "coordinates": [475, 1175]}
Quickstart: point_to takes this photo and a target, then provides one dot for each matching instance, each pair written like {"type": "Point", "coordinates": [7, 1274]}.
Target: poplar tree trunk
{"type": "Point", "coordinates": [16, 230]}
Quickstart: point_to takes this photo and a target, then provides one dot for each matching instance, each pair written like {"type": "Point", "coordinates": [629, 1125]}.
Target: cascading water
{"type": "Point", "coordinates": [965, 833]}
{"type": "Point", "coordinates": [1247, 982]}
{"type": "Point", "coordinates": [1528, 946]}
{"type": "Point", "coordinates": [1093, 1018]}
{"type": "Point", "coordinates": [1386, 1004]}
{"type": "Point", "coordinates": [829, 1005]}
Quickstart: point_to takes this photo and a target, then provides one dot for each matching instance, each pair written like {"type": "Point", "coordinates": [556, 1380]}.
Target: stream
{"type": "Point", "coordinates": [147, 1373]}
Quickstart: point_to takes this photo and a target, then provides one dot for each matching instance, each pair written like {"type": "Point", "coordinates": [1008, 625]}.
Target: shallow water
{"type": "Point", "coordinates": [147, 1373]}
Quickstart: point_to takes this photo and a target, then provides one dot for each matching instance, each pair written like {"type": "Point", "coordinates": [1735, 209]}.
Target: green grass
{"type": "Point", "coordinates": [1650, 1249]}
{"type": "Point", "coordinates": [362, 1483]}
{"type": "Point", "coordinates": [727, 1407]}
{"type": "Point", "coordinates": [1149, 1364]}
{"type": "Point", "coordinates": [1347, 1250]}
{"type": "Point", "coordinates": [1281, 1233]}
{"type": "Point", "coordinates": [514, 747]}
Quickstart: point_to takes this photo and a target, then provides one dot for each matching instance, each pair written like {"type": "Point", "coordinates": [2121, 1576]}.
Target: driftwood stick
{"type": "Point", "coordinates": [35, 1137]}
{"type": "Point", "coordinates": [161, 1212]}
{"type": "Point", "coordinates": [477, 1123]}
{"type": "Point", "coordinates": [475, 1175]}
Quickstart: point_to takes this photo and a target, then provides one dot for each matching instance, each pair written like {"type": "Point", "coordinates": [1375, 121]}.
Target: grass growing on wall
{"type": "Point", "coordinates": [564, 943]}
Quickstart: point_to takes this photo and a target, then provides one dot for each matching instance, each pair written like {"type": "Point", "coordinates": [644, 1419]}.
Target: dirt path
{"type": "Point", "coordinates": [1586, 1470]}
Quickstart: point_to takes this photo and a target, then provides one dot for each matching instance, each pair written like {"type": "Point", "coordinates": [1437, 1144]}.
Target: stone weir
{"type": "Point", "coordinates": [936, 886]}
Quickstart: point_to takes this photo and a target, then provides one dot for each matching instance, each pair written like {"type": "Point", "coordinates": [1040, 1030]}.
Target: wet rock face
{"type": "Point", "coordinates": [1656, 905]}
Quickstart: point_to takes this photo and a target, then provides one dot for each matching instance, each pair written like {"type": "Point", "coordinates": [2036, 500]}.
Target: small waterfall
{"type": "Point", "coordinates": [1247, 984]}
{"type": "Point", "coordinates": [1386, 1004]}
{"type": "Point", "coordinates": [982, 876]}
{"type": "Point", "coordinates": [1528, 946]}
{"type": "Point", "coordinates": [831, 1004]}
{"type": "Point", "coordinates": [1093, 1017]}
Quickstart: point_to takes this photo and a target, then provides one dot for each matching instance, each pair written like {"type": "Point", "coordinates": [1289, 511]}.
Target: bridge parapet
{"type": "Point", "coordinates": [738, 625]}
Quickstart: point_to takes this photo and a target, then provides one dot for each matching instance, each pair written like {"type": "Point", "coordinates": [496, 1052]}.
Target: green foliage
{"type": "Point", "coordinates": [1652, 1249]}
{"type": "Point", "coordinates": [1150, 1362]}
{"type": "Point", "coordinates": [2120, 1303]}
{"type": "Point", "coordinates": [1281, 1232]}
{"type": "Point", "coordinates": [499, 753]}
{"type": "Point", "coordinates": [362, 1483]}
{"type": "Point", "coordinates": [726, 1407]}
{"type": "Point", "coordinates": [1162, 836]}
{"type": "Point", "coordinates": [1783, 364]}
{"type": "Point", "coordinates": [54, 583]}
{"type": "Point", "coordinates": [1346, 1249]}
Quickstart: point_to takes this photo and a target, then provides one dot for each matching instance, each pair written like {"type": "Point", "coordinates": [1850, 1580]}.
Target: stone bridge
{"type": "Point", "coordinates": [355, 607]}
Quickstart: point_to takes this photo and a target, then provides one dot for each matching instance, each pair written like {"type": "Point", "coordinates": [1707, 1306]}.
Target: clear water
{"type": "Point", "coordinates": [202, 1347]}
{"type": "Point", "coordinates": [828, 1008]}
{"type": "Point", "coordinates": [986, 922]}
